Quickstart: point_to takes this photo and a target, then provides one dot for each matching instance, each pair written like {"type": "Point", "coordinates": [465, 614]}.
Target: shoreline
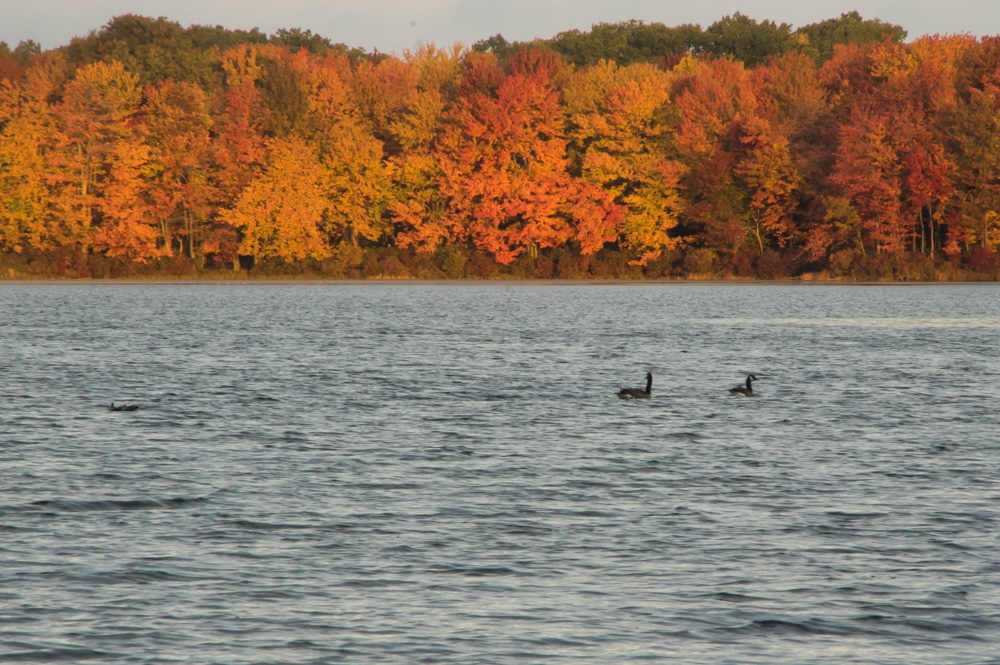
{"type": "Point", "coordinates": [480, 282]}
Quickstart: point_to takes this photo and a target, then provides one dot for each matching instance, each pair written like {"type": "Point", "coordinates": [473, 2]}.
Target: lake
{"type": "Point", "coordinates": [435, 473]}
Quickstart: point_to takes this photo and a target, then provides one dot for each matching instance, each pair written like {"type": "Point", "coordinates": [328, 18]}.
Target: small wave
{"type": "Point", "coordinates": [76, 506]}
{"type": "Point", "coordinates": [56, 655]}
{"type": "Point", "coordinates": [871, 322]}
{"type": "Point", "coordinates": [844, 516]}
{"type": "Point", "coordinates": [782, 627]}
{"type": "Point", "coordinates": [131, 577]}
{"type": "Point", "coordinates": [685, 436]}
{"type": "Point", "coordinates": [477, 571]}
{"type": "Point", "coordinates": [386, 486]}
{"type": "Point", "coordinates": [728, 597]}
{"type": "Point", "coordinates": [374, 583]}
{"type": "Point", "coordinates": [558, 642]}
{"type": "Point", "coordinates": [8, 527]}
{"type": "Point", "coordinates": [252, 525]}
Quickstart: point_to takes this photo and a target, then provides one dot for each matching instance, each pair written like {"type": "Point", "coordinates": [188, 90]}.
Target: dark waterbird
{"type": "Point", "coordinates": [637, 393]}
{"type": "Point", "coordinates": [123, 407]}
{"type": "Point", "coordinates": [740, 390]}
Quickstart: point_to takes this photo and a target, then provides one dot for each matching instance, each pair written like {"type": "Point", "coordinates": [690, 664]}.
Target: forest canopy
{"type": "Point", "coordinates": [745, 149]}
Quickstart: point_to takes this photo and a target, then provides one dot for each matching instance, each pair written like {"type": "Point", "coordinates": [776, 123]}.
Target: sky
{"type": "Point", "coordinates": [392, 26]}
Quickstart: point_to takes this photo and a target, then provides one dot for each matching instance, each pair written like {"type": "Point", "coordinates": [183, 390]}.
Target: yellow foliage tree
{"type": "Point", "coordinates": [621, 130]}
{"type": "Point", "coordinates": [282, 213]}
{"type": "Point", "coordinates": [357, 183]}
{"type": "Point", "coordinates": [27, 207]}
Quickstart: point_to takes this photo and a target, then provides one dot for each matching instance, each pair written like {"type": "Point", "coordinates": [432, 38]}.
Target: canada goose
{"type": "Point", "coordinates": [123, 407]}
{"type": "Point", "coordinates": [740, 390]}
{"type": "Point", "coordinates": [635, 393]}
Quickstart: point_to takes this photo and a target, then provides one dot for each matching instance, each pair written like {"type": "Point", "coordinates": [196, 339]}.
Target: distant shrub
{"type": "Point", "coordinates": [390, 266]}
{"type": "Point", "coordinates": [276, 267]}
{"type": "Point", "coordinates": [917, 267]}
{"type": "Point", "coordinates": [876, 267]}
{"type": "Point", "coordinates": [568, 263]}
{"type": "Point", "coordinates": [345, 262]}
{"type": "Point", "coordinates": [176, 266]}
{"type": "Point", "coordinates": [700, 263]}
{"type": "Point", "coordinates": [610, 263]}
{"type": "Point", "coordinates": [481, 265]}
{"type": "Point", "coordinates": [740, 264]}
{"type": "Point", "coordinates": [662, 267]}
{"type": "Point", "coordinates": [523, 267]}
{"type": "Point", "coordinates": [842, 262]}
{"type": "Point", "coordinates": [453, 261]}
{"type": "Point", "coordinates": [984, 261]}
{"type": "Point", "coordinates": [772, 265]}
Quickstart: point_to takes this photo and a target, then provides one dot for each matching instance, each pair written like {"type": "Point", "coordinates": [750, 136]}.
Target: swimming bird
{"type": "Point", "coordinates": [636, 393]}
{"type": "Point", "coordinates": [740, 390]}
{"type": "Point", "coordinates": [123, 407]}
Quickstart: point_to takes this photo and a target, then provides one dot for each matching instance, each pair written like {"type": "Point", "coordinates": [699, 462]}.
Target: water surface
{"type": "Point", "coordinates": [443, 474]}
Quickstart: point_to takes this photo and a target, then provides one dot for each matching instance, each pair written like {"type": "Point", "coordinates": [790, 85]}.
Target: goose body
{"type": "Point", "coordinates": [748, 391]}
{"type": "Point", "coordinates": [123, 407]}
{"type": "Point", "coordinates": [638, 393]}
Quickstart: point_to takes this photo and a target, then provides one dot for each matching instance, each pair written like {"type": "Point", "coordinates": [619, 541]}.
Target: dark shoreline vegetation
{"type": "Point", "coordinates": [633, 151]}
{"type": "Point", "coordinates": [456, 263]}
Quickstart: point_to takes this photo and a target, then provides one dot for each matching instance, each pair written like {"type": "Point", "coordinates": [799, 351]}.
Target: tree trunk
{"type": "Point", "coordinates": [923, 241]}
{"type": "Point", "coordinates": [84, 171]}
{"type": "Point", "coordinates": [190, 233]}
{"type": "Point", "coordinates": [165, 232]}
{"type": "Point", "coordinates": [930, 221]}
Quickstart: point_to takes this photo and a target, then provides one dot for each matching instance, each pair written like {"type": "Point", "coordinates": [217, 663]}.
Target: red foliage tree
{"type": "Point", "coordinates": [503, 161]}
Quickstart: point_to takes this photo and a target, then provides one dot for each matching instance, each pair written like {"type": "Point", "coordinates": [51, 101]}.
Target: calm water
{"type": "Point", "coordinates": [443, 474]}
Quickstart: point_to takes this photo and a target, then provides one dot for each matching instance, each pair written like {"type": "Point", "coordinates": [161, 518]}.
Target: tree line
{"type": "Point", "coordinates": [633, 150]}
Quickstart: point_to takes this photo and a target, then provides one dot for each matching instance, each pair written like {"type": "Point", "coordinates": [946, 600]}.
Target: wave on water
{"type": "Point", "coordinates": [57, 655]}
{"type": "Point", "coordinates": [104, 505]}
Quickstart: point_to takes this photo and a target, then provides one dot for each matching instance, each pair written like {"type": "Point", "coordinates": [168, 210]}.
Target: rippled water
{"type": "Point", "coordinates": [442, 474]}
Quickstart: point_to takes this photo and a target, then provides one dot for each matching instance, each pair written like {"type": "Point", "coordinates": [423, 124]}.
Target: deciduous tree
{"type": "Point", "coordinates": [182, 193]}
{"type": "Point", "coordinates": [29, 214]}
{"type": "Point", "coordinates": [503, 163]}
{"type": "Point", "coordinates": [282, 212]}
{"type": "Point", "coordinates": [621, 130]}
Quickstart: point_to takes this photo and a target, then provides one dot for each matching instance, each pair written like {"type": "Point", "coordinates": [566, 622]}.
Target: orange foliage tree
{"type": "Point", "coordinates": [868, 175]}
{"type": "Point", "coordinates": [503, 160]}
{"type": "Point", "coordinates": [737, 161]}
{"type": "Point", "coordinates": [182, 194]}
{"type": "Point", "coordinates": [102, 150]}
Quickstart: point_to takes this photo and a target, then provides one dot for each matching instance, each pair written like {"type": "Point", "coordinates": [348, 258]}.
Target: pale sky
{"type": "Point", "coordinates": [391, 26]}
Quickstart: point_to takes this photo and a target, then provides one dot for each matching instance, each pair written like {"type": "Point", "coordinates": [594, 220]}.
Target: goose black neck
{"type": "Point", "coordinates": [649, 383]}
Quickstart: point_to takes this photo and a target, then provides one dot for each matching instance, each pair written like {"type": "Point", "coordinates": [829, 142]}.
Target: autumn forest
{"type": "Point", "coordinates": [840, 150]}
